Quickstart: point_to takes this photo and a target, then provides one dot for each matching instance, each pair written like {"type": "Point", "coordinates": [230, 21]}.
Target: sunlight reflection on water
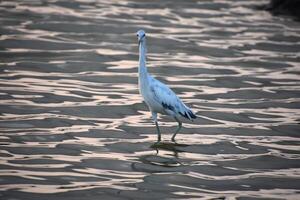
{"type": "Point", "coordinates": [72, 122]}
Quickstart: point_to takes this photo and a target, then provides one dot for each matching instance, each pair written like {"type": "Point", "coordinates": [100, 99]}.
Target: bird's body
{"type": "Point", "coordinates": [161, 99]}
{"type": "Point", "coordinates": [158, 96]}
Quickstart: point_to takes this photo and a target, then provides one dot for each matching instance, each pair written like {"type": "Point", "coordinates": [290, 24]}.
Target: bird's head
{"type": "Point", "coordinates": [141, 35]}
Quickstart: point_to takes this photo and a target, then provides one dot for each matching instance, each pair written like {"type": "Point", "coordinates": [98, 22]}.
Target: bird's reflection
{"type": "Point", "coordinates": [166, 155]}
{"type": "Point", "coordinates": [169, 146]}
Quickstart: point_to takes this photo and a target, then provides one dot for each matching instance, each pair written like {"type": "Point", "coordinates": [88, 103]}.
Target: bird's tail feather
{"type": "Point", "coordinates": [192, 115]}
{"type": "Point", "coordinates": [188, 114]}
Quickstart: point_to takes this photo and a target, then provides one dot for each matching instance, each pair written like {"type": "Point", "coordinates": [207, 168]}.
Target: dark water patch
{"type": "Point", "coordinates": [107, 164]}
{"type": "Point", "coordinates": [43, 123]}
{"type": "Point", "coordinates": [73, 125]}
{"type": "Point", "coordinates": [38, 161]}
{"type": "Point", "coordinates": [126, 147]}
{"type": "Point", "coordinates": [167, 181]}
{"type": "Point", "coordinates": [41, 45]}
{"type": "Point", "coordinates": [290, 130]}
{"type": "Point", "coordinates": [224, 147]}
{"type": "Point", "coordinates": [108, 134]}
{"type": "Point", "coordinates": [266, 162]}
{"type": "Point", "coordinates": [99, 111]}
{"type": "Point", "coordinates": [29, 150]}
{"type": "Point", "coordinates": [252, 94]}
{"type": "Point", "coordinates": [39, 138]}
{"type": "Point", "coordinates": [238, 131]}
{"type": "Point", "coordinates": [234, 117]}
{"type": "Point", "coordinates": [261, 104]}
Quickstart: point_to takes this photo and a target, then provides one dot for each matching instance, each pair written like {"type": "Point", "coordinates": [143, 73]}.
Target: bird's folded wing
{"type": "Point", "coordinates": [166, 97]}
{"type": "Point", "coordinates": [169, 101]}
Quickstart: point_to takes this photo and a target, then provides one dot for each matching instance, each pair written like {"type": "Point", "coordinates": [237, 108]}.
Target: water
{"type": "Point", "coordinates": [73, 125]}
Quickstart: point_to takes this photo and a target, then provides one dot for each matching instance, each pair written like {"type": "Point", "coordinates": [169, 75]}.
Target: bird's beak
{"type": "Point", "coordinates": [140, 39]}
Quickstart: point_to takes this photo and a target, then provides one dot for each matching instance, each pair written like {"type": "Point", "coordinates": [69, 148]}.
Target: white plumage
{"type": "Point", "coordinates": [158, 96]}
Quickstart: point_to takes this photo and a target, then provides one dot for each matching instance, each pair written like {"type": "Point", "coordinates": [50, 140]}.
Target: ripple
{"type": "Point", "coordinates": [72, 122]}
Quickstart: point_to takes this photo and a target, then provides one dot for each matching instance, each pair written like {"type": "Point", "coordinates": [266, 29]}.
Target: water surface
{"type": "Point", "coordinates": [73, 126]}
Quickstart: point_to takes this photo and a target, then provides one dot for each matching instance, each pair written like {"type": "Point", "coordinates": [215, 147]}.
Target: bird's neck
{"type": "Point", "coordinates": [142, 61]}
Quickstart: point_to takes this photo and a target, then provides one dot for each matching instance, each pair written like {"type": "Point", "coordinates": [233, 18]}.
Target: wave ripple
{"type": "Point", "coordinates": [73, 125]}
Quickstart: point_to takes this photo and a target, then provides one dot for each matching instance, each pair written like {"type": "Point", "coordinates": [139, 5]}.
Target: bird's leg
{"type": "Point", "coordinates": [154, 116]}
{"type": "Point", "coordinates": [177, 130]}
{"type": "Point", "coordinates": [158, 132]}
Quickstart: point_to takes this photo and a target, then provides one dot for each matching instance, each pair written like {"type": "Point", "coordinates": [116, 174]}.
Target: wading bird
{"type": "Point", "coordinates": [158, 96]}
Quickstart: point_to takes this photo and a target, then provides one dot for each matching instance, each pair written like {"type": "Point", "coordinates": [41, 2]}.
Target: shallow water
{"type": "Point", "coordinates": [73, 125]}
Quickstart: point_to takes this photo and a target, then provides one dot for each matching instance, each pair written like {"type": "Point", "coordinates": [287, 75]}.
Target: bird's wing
{"type": "Point", "coordinates": [168, 99]}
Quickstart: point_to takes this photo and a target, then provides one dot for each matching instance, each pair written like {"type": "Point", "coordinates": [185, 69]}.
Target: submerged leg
{"type": "Point", "coordinates": [177, 130]}
{"type": "Point", "coordinates": [158, 132]}
{"type": "Point", "coordinates": [154, 116]}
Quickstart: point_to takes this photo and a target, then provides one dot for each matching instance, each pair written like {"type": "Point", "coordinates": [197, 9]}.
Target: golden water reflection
{"type": "Point", "coordinates": [72, 121]}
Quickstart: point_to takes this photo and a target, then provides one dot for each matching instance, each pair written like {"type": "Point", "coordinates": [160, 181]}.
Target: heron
{"type": "Point", "coordinates": [158, 96]}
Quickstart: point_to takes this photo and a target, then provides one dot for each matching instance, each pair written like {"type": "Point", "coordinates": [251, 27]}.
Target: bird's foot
{"type": "Point", "coordinates": [156, 144]}
{"type": "Point", "coordinates": [173, 139]}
